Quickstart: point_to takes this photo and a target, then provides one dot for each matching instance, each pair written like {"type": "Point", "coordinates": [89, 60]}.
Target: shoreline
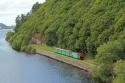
{"type": "Point", "coordinates": [66, 60]}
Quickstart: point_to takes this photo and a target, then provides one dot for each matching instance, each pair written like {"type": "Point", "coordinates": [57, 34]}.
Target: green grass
{"type": "Point", "coordinates": [89, 63]}
{"type": "Point", "coordinates": [43, 47]}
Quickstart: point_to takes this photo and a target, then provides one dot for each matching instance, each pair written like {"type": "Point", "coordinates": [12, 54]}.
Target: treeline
{"type": "Point", "coordinates": [95, 27]}
{"type": "Point", "coordinates": [20, 19]}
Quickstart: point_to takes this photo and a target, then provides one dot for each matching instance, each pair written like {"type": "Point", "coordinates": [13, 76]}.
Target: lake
{"type": "Point", "coordinates": [18, 67]}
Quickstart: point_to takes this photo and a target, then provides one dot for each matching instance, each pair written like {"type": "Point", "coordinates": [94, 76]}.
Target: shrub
{"type": "Point", "coordinates": [119, 71]}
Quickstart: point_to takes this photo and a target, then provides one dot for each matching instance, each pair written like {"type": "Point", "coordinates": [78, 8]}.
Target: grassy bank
{"type": "Point", "coordinates": [86, 64]}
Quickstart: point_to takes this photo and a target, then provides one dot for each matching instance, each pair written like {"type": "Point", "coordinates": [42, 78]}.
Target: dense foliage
{"type": "Point", "coordinates": [119, 70]}
{"type": "Point", "coordinates": [107, 55]}
{"type": "Point", "coordinates": [95, 27]}
{"type": "Point", "coordinates": [20, 19]}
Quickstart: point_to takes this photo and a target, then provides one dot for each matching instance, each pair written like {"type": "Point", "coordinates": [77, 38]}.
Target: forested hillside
{"type": "Point", "coordinates": [96, 27]}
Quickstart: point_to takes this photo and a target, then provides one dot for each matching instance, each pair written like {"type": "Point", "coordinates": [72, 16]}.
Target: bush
{"type": "Point", "coordinates": [103, 72]}
{"type": "Point", "coordinates": [110, 52]}
{"type": "Point", "coordinates": [119, 79]}
{"type": "Point", "coordinates": [29, 49]}
{"type": "Point", "coordinates": [9, 35]}
{"type": "Point", "coordinates": [119, 72]}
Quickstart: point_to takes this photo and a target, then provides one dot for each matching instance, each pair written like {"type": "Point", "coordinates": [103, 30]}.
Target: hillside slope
{"type": "Point", "coordinates": [77, 24]}
{"type": "Point", "coordinates": [87, 25]}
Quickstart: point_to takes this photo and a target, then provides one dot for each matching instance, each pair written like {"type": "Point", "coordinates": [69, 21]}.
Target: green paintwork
{"type": "Point", "coordinates": [75, 55]}
{"type": "Point", "coordinates": [67, 53]}
{"type": "Point", "coordinates": [63, 52]}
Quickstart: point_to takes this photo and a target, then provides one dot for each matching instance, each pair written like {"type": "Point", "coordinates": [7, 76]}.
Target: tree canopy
{"type": "Point", "coordinates": [95, 27]}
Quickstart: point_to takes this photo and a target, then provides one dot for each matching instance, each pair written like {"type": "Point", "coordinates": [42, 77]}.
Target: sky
{"type": "Point", "coordinates": [9, 9]}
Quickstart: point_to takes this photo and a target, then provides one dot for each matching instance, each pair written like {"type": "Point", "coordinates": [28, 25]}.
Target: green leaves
{"type": "Point", "coordinates": [77, 24]}
{"type": "Point", "coordinates": [95, 27]}
{"type": "Point", "coordinates": [110, 52]}
{"type": "Point", "coordinates": [35, 7]}
{"type": "Point", "coordinates": [104, 72]}
{"type": "Point", "coordinates": [119, 72]}
{"type": "Point", "coordinates": [9, 35]}
{"type": "Point", "coordinates": [119, 68]}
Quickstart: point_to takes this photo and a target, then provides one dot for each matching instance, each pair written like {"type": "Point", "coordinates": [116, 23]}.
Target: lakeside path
{"type": "Point", "coordinates": [86, 65]}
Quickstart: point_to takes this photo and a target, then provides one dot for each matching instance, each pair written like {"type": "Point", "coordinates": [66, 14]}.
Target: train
{"type": "Point", "coordinates": [75, 55]}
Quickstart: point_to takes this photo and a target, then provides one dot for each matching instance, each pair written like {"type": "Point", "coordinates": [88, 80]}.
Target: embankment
{"type": "Point", "coordinates": [86, 65]}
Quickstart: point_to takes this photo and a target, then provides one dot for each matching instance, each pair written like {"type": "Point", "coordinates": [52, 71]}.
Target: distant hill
{"type": "Point", "coordinates": [3, 26]}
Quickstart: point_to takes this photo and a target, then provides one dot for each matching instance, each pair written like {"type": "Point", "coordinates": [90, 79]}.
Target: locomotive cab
{"type": "Point", "coordinates": [81, 54]}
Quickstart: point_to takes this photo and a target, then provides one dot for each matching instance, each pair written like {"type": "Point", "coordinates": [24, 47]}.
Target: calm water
{"type": "Point", "coordinates": [18, 67]}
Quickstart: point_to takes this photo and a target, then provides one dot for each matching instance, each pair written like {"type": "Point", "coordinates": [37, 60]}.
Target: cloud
{"type": "Point", "coordinates": [9, 9]}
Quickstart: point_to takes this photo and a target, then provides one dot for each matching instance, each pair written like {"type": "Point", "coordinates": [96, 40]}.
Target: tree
{"type": "Point", "coordinates": [20, 20]}
{"type": "Point", "coordinates": [104, 72]}
{"type": "Point", "coordinates": [110, 52]}
{"type": "Point", "coordinates": [35, 7]}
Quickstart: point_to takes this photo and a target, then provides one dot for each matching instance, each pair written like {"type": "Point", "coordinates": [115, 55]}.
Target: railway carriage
{"type": "Point", "coordinates": [76, 55]}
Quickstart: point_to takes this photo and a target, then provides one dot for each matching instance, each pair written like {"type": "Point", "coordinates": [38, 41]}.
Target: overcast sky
{"type": "Point", "coordinates": [9, 9]}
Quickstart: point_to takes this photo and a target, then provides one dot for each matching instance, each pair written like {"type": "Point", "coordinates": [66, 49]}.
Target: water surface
{"type": "Point", "coordinates": [17, 67]}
